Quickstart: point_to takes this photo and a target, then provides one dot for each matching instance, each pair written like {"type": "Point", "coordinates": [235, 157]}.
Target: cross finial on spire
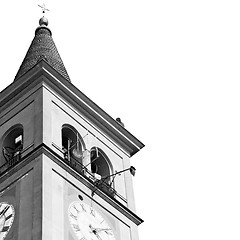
{"type": "Point", "coordinates": [43, 7]}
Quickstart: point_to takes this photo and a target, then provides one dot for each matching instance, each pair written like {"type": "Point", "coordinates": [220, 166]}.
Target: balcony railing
{"type": "Point", "coordinates": [14, 159]}
{"type": "Point", "coordinates": [99, 184]}
{"type": "Point", "coordinates": [11, 162]}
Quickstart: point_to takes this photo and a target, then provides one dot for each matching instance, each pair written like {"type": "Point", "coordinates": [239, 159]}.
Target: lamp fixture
{"type": "Point", "coordinates": [131, 169]}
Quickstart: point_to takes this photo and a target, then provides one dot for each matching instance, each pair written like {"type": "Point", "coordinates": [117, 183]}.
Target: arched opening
{"type": "Point", "coordinates": [102, 169]}
{"type": "Point", "coordinates": [72, 143]}
{"type": "Point", "coordinates": [100, 164]}
{"type": "Point", "coordinates": [12, 144]}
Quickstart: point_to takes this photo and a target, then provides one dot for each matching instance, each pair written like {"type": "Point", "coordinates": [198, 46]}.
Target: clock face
{"type": "Point", "coordinates": [6, 218]}
{"type": "Point", "coordinates": [87, 223]}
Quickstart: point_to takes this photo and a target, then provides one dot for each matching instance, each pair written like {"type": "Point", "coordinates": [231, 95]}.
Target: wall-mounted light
{"type": "Point", "coordinates": [131, 169]}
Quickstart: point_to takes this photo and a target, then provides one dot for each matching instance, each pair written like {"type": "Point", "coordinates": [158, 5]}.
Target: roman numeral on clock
{"type": "Point", "coordinates": [92, 211]}
{"type": "Point", "coordinates": [73, 216]}
{"type": "Point", "coordinates": [4, 210]}
{"type": "Point", "coordinates": [5, 229]}
{"type": "Point", "coordinates": [8, 217]}
{"type": "Point", "coordinates": [76, 227]}
{"type": "Point", "coordinates": [76, 209]}
{"type": "Point", "coordinates": [83, 208]}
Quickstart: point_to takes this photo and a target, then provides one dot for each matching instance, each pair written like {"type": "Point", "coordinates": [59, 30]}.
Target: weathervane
{"type": "Point", "coordinates": [43, 7]}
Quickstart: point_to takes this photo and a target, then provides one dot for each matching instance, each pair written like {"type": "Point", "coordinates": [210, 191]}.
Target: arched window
{"type": "Point", "coordinates": [72, 143]}
{"type": "Point", "coordinates": [100, 164]}
{"type": "Point", "coordinates": [12, 144]}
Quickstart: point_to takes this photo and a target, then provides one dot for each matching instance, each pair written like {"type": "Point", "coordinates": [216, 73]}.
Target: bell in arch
{"type": "Point", "coordinates": [77, 149]}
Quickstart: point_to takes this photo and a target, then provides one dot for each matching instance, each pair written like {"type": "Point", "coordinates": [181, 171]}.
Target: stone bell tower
{"type": "Point", "coordinates": [65, 170]}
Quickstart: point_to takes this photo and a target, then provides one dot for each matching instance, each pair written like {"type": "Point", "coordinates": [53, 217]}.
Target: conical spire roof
{"type": "Point", "coordinates": [42, 48]}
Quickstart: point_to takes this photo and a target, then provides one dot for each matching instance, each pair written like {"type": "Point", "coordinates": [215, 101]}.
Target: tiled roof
{"type": "Point", "coordinates": [42, 47]}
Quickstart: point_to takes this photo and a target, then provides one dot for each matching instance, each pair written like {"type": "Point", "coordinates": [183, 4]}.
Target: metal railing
{"type": "Point", "coordinates": [99, 184]}
{"type": "Point", "coordinates": [13, 160]}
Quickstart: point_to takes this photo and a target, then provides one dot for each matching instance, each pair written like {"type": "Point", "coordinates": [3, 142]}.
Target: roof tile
{"type": "Point", "coordinates": [42, 47]}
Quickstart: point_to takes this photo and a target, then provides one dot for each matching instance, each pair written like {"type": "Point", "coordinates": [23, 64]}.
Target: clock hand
{"type": "Point", "coordinates": [98, 236]}
{"type": "Point", "coordinates": [95, 232]}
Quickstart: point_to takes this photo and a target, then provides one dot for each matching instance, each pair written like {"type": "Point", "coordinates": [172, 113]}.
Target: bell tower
{"type": "Point", "coordinates": [65, 170]}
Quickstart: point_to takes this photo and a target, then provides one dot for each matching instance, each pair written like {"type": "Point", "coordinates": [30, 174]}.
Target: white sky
{"type": "Point", "coordinates": [171, 71]}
